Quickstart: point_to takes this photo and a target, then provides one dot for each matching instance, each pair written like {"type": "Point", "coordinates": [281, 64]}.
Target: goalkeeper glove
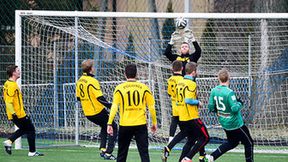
{"type": "Point", "coordinates": [14, 117]}
{"type": "Point", "coordinates": [175, 37]}
{"type": "Point", "coordinates": [171, 41]}
{"type": "Point", "coordinates": [188, 36]}
{"type": "Point", "coordinates": [239, 100]}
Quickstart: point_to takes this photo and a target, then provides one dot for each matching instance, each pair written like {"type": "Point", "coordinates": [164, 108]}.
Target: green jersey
{"type": "Point", "coordinates": [223, 101]}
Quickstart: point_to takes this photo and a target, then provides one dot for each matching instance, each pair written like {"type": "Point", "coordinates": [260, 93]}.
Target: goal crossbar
{"type": "Point", "coordinates": [154, 15]}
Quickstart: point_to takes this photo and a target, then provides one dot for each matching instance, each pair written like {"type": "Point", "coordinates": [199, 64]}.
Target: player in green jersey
{"type": "Point", "coordinates": [224, 103]}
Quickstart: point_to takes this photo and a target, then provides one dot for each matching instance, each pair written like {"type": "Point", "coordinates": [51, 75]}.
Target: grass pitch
{"type": "Point", "coordinates": [84, 154]}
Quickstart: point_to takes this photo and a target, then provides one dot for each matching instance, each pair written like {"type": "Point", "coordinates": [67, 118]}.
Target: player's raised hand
{"type": "Point", "coordinates": [175, 37]}
{"type": "Point", "coordinates": [172, 40]}
{"type": "Point", "coordinates": [110, 130]}
{"type": "Point", "coordinates": [189, 36]}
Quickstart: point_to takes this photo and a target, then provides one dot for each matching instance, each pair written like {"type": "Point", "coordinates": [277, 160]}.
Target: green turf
{"type": "Point", "coordinates": [87, 154]}
{"type": "Point", "coordinates": [83, 154]}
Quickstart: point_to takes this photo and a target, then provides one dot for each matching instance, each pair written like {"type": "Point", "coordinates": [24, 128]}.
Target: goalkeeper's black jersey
{"type": "Point", "coordinates": [184, 58]}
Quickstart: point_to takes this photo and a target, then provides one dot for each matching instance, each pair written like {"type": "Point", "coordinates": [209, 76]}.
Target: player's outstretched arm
{"type": "Point", "coordinates": [168, 51]}
{"type": "Point", "coordinates": [197, 54]}
{"type": "Point", "coordinates": [191, 101]}
{"type": "Point", "coordinates": [189, 38]}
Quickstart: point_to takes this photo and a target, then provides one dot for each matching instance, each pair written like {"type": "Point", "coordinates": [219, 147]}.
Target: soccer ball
{"type": "Point", "coordinates": [181, 23]}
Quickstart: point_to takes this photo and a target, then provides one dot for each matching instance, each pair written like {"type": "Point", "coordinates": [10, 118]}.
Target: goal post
{"type": "Point", "coordinates": [50, 45]}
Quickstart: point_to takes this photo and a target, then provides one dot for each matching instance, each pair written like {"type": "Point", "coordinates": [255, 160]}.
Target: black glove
{"type": "Point", "coordinates": [239, 100]}
{"type": "Point", "coordinates": [215, 109]}
{"type": "Point", "coordinates": [14, 116]}
{"type": "Point", "coordinates": [104, 102]}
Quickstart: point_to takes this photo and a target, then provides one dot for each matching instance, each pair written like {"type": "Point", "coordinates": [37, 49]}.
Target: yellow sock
{"type": "Point", "coordinates": [10, 141]}
{"type": "Point", "coordinates": [103, 149]}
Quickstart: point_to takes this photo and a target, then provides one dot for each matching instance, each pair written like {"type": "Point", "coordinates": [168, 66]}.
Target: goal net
{"type": "Point", "coordinates": [51, 45]}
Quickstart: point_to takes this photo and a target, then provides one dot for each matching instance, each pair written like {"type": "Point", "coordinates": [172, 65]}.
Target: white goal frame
{"type": "Point", "coordinates": [77, 14]}
{"type": "Point", "coordinates": [19, 13]}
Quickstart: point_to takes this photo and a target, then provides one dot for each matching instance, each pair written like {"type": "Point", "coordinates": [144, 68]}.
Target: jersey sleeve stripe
{"type": "Point", "coordinates": [90, 96]}
{"type": "Point", "coordinates": [122, 97]}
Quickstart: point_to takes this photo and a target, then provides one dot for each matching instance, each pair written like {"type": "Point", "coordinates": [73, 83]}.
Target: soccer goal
{"type": "Point", "coordinates": [50, 45]}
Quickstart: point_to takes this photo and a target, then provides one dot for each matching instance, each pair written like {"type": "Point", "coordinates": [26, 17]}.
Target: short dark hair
{"type": "Point", "coordinates": [176, 65]}
{"type": "Point", "coordinates": [223, 75]}
{"type": "Point", "coordinates": [190, 67]}
{"type": "Point", "coordinates": [131, 71]}
{"type": "Point", "coordinates": [185, 43]}
{"type": "Point", "coordinates": [10, 69]}
{"type": "Point", "coordinates": [87, 65]}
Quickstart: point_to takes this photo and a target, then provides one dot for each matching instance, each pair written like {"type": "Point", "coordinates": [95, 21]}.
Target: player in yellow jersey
{"type": "Point", "coordinates": [89, 93]}
{"type": "Point", "coordinates": [132, 98]}
{"type": "Point", "coordinates": [190, 123]}
{"type": "Point", "coordinates": [15, 112]}
{"type": "Point", "coordinates": [171, 90]}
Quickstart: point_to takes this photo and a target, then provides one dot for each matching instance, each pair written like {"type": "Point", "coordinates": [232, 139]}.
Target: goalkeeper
{"type": "Point", "coordinates": [223, 102]}
{"type": "Point", "coordinates": [93, 103]}
{"type": "Point", "coordinates": [185, 55]}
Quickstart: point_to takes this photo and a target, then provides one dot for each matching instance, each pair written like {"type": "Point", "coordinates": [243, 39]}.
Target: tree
{"type": "Point", "coordinates": [168, 25]}
{"type": "Point", "coordinates": [130, 47]}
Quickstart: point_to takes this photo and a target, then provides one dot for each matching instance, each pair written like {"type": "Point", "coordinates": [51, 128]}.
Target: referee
{"type": "Point", "coordinates": [132, 97]}
{"type": "Point", "coordinates": [15, 112]}
{"type": "Point", "coordinates": [89, 93]}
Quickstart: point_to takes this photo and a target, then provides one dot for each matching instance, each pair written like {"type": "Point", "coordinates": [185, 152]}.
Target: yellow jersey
{"type": "Point", "coordinates": [187, 88]}
{"type": "Point", "coordinates": [88, 90]}
{"type": "Point", "coordinates": [132, 98]}
{"type": "Point", "coordinates": [13, 95]}
{"type": "Point", "coordinates": [171, 90]}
